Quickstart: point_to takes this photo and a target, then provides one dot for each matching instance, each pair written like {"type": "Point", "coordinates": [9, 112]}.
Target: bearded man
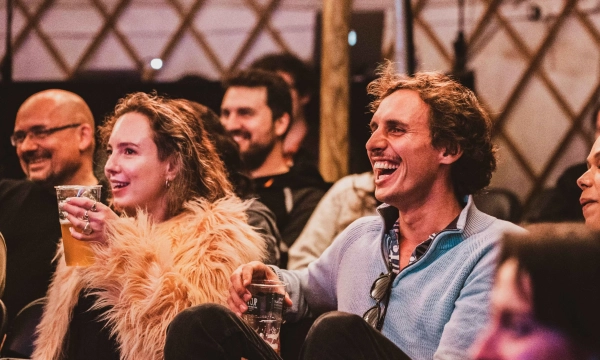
{"type": "Point", "coordinates": [257, 110]}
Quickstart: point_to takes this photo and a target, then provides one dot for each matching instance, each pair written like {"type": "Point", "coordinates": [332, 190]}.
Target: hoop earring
{"type": "Point", "coordinates": [167, 183]}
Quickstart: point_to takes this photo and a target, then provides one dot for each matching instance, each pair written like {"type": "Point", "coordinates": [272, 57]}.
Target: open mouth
{"type": "Point", "coordinates": [118, 185]}
{"type": "Point", "coordinates": [33, 160]}
{"type": "Point", "coordinates": [384, 169]}
{"type": "Point", "coordinates": [37, 164]}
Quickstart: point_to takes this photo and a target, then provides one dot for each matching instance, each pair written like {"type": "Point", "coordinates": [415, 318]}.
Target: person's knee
{"type": "Point", "coordinates": [333, 322]}
{"type": "Point", "coordinates": [330, 333]}
{"type": "Point", "coordinates": [336, 320]}
{"type": "Point", "coordinates": [191, 318]}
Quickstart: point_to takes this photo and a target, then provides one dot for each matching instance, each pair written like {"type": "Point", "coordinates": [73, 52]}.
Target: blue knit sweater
{"type": "Point", "coordinates": [438, 304]}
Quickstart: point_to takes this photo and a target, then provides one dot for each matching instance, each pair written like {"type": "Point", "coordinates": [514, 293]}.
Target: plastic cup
{"type": "Point", "coordinates": [77, 252]}
{"type": "Point", "coordinates": [265, 310]}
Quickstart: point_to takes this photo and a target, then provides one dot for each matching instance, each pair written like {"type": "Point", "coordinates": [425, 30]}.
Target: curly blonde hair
{"type": "Point", "coordinates": [457, 122]}
{"type": "Point", "coordinates": [177, 135]}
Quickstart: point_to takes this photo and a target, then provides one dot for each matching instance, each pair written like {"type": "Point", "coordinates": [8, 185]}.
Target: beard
{"type": "Point", "coordinates": [256, 155]}
{"type": "Point", "coordinates": [55, 174]}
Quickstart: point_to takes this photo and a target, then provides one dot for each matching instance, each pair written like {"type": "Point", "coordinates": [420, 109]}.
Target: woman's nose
{"type": "Point", "coordinates": [111, 165]}
{"type": "Point", "coordinates": [584, 180]}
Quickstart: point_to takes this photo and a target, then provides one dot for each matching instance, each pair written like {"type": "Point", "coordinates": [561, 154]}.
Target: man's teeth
{"type": "Point", "coordinates": [384, 165]}
{"type": "Point", "coordinates": [36, 160]}
{"type": "Point", "coordinates": [384, 169]}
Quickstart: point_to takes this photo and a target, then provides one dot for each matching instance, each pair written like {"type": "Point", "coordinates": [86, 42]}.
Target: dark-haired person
{"type": "Point", "coordinates": [181, 233]}
{"type": "Point", "coordinates": [257, 110]}
{"type": "Point", "coordinates": [544, 304]}
{"type": "Point", "coordinates": [259, 216]}
{"type": "Point", "coordinates": [413, 282]}
{"type": "Point", "coordinates": [301, 143]}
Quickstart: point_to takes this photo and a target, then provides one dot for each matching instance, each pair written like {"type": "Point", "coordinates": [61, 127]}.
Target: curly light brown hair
{"type": "Point", "coordinates": [457, 122]}
{"type": "Point", "coordinates": [182, 139]}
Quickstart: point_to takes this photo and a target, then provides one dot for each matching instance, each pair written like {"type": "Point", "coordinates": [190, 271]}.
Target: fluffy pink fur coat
{"type": "Point", "coordinates": [150, 272]}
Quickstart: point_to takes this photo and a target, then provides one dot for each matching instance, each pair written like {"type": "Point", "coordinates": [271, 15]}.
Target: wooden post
{"type": "Point", "coordinates": [335, 90]}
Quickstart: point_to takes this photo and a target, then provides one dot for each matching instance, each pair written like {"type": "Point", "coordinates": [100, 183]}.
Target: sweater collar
{"type": "Point", "coordinates": [476, 219]}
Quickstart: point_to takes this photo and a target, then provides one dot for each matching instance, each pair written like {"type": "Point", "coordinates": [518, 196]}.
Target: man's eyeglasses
{"type": "Point", "coordinates": [37, 132]}
{"type": "Point", "coordinates": [380, 292]}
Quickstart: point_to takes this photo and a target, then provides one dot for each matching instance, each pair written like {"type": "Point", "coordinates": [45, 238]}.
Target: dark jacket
{"type": "Point", "coordinates": [292, 197]}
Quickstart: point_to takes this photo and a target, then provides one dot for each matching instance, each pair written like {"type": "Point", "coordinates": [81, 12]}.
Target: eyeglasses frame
{"type": "Point", "coordinates": [37, 133]}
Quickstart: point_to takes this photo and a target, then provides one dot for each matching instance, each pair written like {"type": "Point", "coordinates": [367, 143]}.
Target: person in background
{"type": "Point", "coordinates": [589, 183]}
{"type": "Point", "coordinates": [301, 143]}
{"type": "Point", "coordinates": [544, 304]}
{"type": "Point", "coordinates": [259, 216]}
{"type": "Point", "coordinates": [428, 257]}
{"type": "Point", "coordinates": [54, 140]}
{"type": "Point", "coordinates": [350, 198]}
{"type": "Point", "coordinates": [180, 234]}
{"type": "Point", "coordinates": [563, 204]}
{"type": "Point", "coordinates": [256, 110]}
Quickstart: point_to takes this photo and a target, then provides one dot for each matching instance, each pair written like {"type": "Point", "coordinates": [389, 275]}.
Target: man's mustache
{"type": "Point", "coordinates": [32, 155]}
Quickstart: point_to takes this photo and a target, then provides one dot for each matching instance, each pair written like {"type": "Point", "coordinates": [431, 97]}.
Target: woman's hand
{"type": "Point", "coordinates": [241, 278]}
{"type": "Point", "coordinates": [88, 218]}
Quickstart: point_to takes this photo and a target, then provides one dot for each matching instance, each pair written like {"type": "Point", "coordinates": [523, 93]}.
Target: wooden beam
{"type": "Point", "coordinates": [33, 24]}
{"type": "Point", "coordinates": [435, 40]}
{"type": "Point", "coordinates": [32, 21]}
{"type": "Point", "coordinates": [534, 63]}
{"type": "Point", "coordinates": [562, 147]}
{"type": "Point", "coordinates": [110, 20]}
{"type": "Point", "coordinates": [263, 20]}
{"type": "Point", "coordinates": [484, 22]}
{"type": "Point", "coordinates": [271, 30]}
{"type": "Point", "coordinates": [198, 36]}
{"type": "Point", "coordinates": [186, 23]}
{"type": "Point", "coordinates": [335, 89]}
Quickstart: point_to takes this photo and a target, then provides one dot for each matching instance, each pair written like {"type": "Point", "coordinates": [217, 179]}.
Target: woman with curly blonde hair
{"type": "Point", "coordinates": [181, 233]}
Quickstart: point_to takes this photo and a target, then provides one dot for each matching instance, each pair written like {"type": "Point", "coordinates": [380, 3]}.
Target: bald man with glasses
{"type": "Point", "coordinates": [54, 140]}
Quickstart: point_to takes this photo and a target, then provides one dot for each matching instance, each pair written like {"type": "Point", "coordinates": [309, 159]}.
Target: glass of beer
{"type": "Point", "coordinates": [77, 252]}
{"type": "Point", "coordinates": [265, 310]}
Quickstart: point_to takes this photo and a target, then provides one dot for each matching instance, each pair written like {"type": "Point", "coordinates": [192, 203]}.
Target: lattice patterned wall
{"type": "Point", "coordinates": [538, 78]}
{"type": "Point", "coordinates": [56, 39]}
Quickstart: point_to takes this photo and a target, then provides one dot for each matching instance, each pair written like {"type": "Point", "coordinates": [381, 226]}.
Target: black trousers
{"type": "Point", "coordinates": [212, 331]}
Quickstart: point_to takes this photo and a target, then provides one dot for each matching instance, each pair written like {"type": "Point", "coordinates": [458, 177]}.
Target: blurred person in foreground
{"type": "Point", "coordinates": [413, 282]}
{"type": "Point", "coordinates": [54, 140]}
{"type": "Point", "coordinates": [180, 234]}
{"type": "Point", "coordinates": [544, 304]}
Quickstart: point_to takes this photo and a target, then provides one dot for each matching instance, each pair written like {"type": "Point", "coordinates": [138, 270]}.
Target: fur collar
{"type": "Point", "coordinates": [150, 272]}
